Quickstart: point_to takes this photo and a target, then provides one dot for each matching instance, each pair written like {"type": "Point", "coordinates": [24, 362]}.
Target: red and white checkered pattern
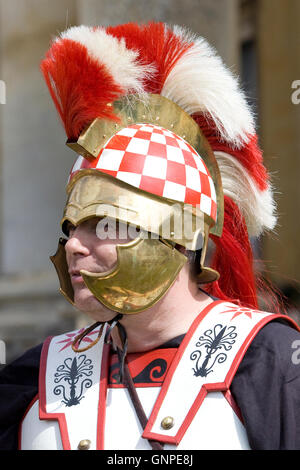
{"type": "Point", "coordinates": [157, 161]}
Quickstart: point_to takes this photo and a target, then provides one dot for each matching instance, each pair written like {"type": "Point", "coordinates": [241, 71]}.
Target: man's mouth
{"type": "Point", "coordinates": [76, 277]}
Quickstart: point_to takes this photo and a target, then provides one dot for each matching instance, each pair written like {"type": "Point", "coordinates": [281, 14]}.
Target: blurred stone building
{"type": "Point", "coordinates": [258, 39]}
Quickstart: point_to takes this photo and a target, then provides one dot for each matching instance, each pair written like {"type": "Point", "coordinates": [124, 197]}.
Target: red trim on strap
{"type": "Point", "coordinates": [102, 397]}
{"type": "Point", "coordinates": [234, 405]}
{"type": "Point", "coordinates": [147, 433]}
{"type": "Point", "coordinates": [243, 349]}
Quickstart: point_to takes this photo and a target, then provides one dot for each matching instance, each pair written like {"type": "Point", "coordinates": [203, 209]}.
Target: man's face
{"type": "Point", "coordinates": [85, 250]}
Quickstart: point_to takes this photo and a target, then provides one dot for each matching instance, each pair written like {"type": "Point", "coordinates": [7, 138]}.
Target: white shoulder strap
{"type": "Point", "coordinates": [70, 386]}
{"type": "Point", "coordinates": [206, 361]}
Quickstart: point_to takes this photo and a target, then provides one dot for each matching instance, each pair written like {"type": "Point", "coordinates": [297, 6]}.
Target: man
{"type": "Point", "coordinates": [169, 170]}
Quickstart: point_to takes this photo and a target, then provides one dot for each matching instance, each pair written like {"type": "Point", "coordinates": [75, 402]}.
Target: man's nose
{"type": "Point", "coordinates": [77, 244]}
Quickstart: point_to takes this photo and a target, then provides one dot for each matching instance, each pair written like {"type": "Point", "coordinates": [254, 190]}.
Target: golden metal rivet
{"type": "Point", "coordinates": [167, 422]}
{"type": "Point", "coordinates": [104, 135]}
{"type": "Point", "coordinates": [172, 125]}
{"type": "Point", "coordinates": [157, 118]}
{"type": "Point", "coordinates": [84, 444]}
{"type": "Point", "coordinates": [183, 136]}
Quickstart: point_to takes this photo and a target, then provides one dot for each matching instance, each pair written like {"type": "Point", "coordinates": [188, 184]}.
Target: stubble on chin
{"type": "Point", "coordinates": [87, 304]}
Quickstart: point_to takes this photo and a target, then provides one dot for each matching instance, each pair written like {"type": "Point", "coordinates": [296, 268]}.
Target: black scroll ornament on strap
{"type": "Point", "coordinates": [73, 372]}
{"type": "Point", "coordinates": [212, 341]}
{"type": "Point", "coordinates": [153, 373]}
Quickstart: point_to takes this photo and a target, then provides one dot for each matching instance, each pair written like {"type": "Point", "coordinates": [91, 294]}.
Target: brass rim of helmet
{"type": "Point", "coordinates": [92, 193]}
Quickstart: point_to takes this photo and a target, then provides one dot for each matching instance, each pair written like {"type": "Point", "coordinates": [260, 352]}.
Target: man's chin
{"type": "Point", "coordinates": [86, 303]}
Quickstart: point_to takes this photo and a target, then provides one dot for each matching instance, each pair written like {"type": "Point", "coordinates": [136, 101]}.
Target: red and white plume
{"type": "Point", "coordinates": [87, 68]}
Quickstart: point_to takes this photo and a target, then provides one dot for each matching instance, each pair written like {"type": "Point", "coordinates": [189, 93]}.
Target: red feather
{"type": "Point", "coordinates": [233, 259]}
{"type": "Point", "coordinates": [80, 86]}
{"type": "Point", "coordinates": [156, 44]}
{"type": "Point", "coordinates": [250, 155]}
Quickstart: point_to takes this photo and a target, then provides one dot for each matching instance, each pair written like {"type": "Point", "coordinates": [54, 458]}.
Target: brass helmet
{"type": "Point", "coordinates": [147, 176]}
{"type": "Point", "coordinates": [131, 98]}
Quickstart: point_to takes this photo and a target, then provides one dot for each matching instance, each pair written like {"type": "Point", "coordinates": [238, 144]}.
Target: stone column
{"type": "Point", "coordinates": [35, 161]}
{"type": "Point", "coordinates": [216, 20]}
{"type": "Point", "coordinates": [279, 67]}
{"type": "Point", "coordinates": [34, 170]}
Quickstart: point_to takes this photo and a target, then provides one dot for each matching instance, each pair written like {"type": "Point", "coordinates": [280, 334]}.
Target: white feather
{"type": "Point", "coordinates": [122, 63]}
{"type": "Point", "coordinates": [200, 82]}
{"type": "Point", "coordinates": [258, 207]}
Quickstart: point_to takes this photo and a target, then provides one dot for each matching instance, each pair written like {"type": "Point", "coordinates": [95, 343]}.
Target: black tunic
{"type": "Point", "coordinates": [266, 388]}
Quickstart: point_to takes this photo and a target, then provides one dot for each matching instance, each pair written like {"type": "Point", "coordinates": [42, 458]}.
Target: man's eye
{"type": "Point", "coordinates": [70, 229]}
